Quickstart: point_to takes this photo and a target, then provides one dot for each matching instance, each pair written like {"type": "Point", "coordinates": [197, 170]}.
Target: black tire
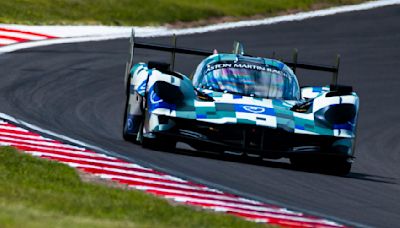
{"type": "Point", "coordinates": [329, 165]}
{"type": "Point", "coordinates": [158, 143]}
{"type": "Point", "coordinates": [128, 136]}
{"type": "Point", "coordinates": [155, 142]}
{"type": "Point", "coordinates": [131, 126]}
{"type": "Point", "coordinates": [301, 163]}
{"type": "Point", "coordinates": [202, 147]}
{"type": "Point", "coordinates": [342, 168]}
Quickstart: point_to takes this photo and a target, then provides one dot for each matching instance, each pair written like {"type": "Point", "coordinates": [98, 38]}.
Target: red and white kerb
{"type": "Point", "coordinates": [152, 181]}
{"type": "Point", "coordinates": [12, 36]}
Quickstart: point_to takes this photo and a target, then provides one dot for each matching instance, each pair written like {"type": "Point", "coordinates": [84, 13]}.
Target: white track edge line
{"type": "Point", "coordinates": [59, 136]}
{"type": "Point", "coordinates": [124, 32]}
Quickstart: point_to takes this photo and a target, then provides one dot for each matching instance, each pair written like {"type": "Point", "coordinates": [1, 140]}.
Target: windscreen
{"type": "Point", "coordinates": [249, 79]}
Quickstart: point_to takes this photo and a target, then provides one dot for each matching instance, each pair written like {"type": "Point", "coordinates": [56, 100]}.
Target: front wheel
{"type": "Point", "coordinates": [343, 168]}
{"type": "Point", "coordinates": [335, 166]}
{"type": "Point", "coordinates": [133, 117]}
{"type": "Point", "coordinates": [158, 143]}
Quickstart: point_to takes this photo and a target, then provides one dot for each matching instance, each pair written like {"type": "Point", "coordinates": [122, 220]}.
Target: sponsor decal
{"type": "Point", "coordinates": [249, 66]}
{"type": "Point", "coordinates": [254, 109]}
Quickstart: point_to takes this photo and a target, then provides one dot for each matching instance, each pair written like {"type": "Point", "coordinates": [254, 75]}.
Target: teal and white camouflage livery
{"type": "Point", "coordinates": [243, 105]}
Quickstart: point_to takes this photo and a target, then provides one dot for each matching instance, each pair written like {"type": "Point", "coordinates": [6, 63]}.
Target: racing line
{"type": "Point", "coordinates": [77, 90]}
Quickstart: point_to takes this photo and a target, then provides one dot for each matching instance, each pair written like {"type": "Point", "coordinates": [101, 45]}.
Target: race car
{"type": "Point", "coordinates": [240, 104]}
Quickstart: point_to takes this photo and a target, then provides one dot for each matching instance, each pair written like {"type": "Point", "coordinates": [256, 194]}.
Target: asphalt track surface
{"type": "Point", "coordinates": [77, 90]}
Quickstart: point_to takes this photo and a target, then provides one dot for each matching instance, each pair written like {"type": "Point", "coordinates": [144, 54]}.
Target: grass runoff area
{"type": "Point", "coordinates": [149, 12]}
{"type": "Point", "coordinates": [40, 193]}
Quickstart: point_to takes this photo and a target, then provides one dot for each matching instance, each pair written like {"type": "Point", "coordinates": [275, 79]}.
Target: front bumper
{"type": "Point", "coordinates": [253, 140]}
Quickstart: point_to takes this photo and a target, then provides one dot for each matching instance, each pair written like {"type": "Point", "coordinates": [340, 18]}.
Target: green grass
{"type": "Point", "coordinates": [40, 193]}
{"type": "Point", "coordinates": [149, 12]}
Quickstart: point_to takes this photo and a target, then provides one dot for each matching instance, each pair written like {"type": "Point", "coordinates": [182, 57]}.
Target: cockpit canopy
{"type": "Point", "coordinates": [248, 76]}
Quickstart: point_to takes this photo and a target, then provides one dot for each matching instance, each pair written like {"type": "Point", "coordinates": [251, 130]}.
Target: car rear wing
{"type": "Point", "coordinates": [334, 69]}
{"type": "Point", "coordinates": [238, 49]}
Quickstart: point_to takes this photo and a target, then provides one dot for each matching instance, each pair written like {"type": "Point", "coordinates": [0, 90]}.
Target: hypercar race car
{"type": "Point", "coordinates": [241, 104]}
